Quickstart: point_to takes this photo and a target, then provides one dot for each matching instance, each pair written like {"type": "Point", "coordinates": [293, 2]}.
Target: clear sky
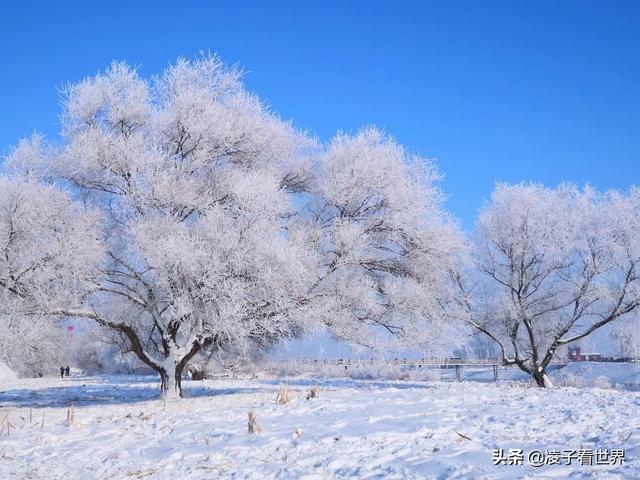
{"type": "Point", "coordinates": [509, 90]}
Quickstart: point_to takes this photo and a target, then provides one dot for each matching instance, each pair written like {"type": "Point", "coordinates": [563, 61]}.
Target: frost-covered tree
{"type": "Point", "coordinates": [98, 349]}
{"type": "Point", "coordinates": [222, 227]}
{"type": "Point", "coordinates": [558, 264]}
{"type": "Point", "coordinates": [32, 346]}
{"type": "Point", "coordinates": [191, 173]}
{"type": "Point", "coordinates": [48, 254]}
{"type": "Point", "coordinates": [386, 246]}
{"type": "Point", "coordinates": [49, 247]}
{"type": "Point", "coordinates": [627, 337]}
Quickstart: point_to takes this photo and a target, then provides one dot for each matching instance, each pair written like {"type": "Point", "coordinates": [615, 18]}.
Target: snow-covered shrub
{"type": "Point", "coordinates": [627, 337]}
{"type": "Point", "coordinates": [99, 350]}
{"type": "Point", "coordinates": [391, 372]}
{"type": "Point", "coordinates": [356, 371]}
{"type": "Point", "coordinates": [6, 374]}
{"type": "Point", "coordinates": [32, 348]}
{"type": "Point", "coordinates": [602, 382]}
{"type": "Point", "coordinates": [583, 380]}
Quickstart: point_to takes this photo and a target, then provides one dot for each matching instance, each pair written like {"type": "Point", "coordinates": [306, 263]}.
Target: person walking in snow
{"type": "Point", "coordinates": [67, 371]}
{"type": "Point", "coordinates": [61, 372]}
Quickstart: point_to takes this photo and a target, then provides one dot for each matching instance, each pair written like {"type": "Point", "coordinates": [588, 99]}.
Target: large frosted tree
{"type": "Point", "coordinates": [555, 265]}
{"type": "Point", "coordinates": [385, 244]}
{"type": "Point", "coordinates": [211, 223]}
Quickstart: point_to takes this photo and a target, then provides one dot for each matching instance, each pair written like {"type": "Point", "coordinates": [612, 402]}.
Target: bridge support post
{"type": "Point", "coordinates": [458, 368]}
{"type": "Point", "coordinates": [495, 373]}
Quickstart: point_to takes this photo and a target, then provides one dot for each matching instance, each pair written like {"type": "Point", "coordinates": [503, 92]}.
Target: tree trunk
{"type": "Point", "coordinates": [170, 384]}
{"type": "Point", "coordinates": [541, 378]}
{"type": "Point", "coordinates": [538, 374]}
{"type": "Point", "coordinates": [178, 377]}
{"type": "Point", "coordinates": [198, 374]}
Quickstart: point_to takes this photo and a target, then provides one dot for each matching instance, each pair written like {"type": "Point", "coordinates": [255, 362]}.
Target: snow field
{"type": "Point", "coordinates": [355, 429]}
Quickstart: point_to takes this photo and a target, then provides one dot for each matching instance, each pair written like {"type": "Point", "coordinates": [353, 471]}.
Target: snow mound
{"type": "Point", "coordinates": [625, 376]}
{"type": "Point", "coordinates": [6, 373]}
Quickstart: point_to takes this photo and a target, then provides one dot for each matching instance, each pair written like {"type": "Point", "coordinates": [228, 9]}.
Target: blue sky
{"type": "Point", "coordinates": [510, 90]}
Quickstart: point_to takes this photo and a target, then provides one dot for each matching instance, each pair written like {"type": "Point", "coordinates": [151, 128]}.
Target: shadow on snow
{"type": "Point", "coordinates": [126, 389]}
{"type": "Point", "coordinates": [106, 391]}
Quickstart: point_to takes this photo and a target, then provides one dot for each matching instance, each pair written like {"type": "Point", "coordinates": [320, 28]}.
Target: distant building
{"type": "Point", "coordinates": [592, 357]}
{"type": "Point", "coordinates": [575, 355]}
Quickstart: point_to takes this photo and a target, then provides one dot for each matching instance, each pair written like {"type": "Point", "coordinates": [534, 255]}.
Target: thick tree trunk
{"type": "Point", "coordinates": [171, 372]}
{"type": "Point", "coordinates": [178, 377]}
{"type": "Point", "coordinates": [170, 384]}
{"type": "Point", "coordinates": [171, 377]}
{"type": "Point", "coordinates": [538, 374]}
{"type": "Point", "coordinates": [170, 369]}
{"type": "Point", "coordinates": [198, 374]}
{"type": "Point", "coordinates": [541, 378]}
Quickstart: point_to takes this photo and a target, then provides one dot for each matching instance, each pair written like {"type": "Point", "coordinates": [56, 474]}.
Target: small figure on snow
{"type": "Point", "coordinates": [62, 372]}
{"type": "Point", "coordinates": [67, 371]}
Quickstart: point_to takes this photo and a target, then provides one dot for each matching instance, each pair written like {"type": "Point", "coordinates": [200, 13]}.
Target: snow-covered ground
{"type": "Point", "coordinates": [355, 429]}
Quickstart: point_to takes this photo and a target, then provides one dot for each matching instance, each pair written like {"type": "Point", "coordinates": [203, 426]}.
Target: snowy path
{"type": "Point", "coordinates": [355, 429]}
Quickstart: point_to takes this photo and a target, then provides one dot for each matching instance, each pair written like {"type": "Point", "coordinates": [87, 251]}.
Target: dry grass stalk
{"type": "Point", "coordinates": [283, 397]}
{"type": "Point", "coordinates": [144, 417]}
{"type": "Point", "coordinates": [6, 424]}
{"type": "Point", "coordinates": [71, 415]}
{"type": "Point", "coordinates": [314, 393]}
{"type": "Point", "coordinates": [253, 426]}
